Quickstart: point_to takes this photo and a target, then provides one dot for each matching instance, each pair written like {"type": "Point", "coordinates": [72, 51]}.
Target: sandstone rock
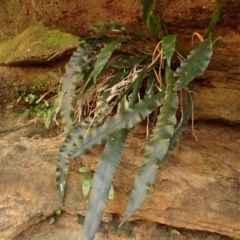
{"type": "Point", "coordinates": [32, 79]}
{"type": "Point", "coordinates": [18, 80]}
{"type": "Point", "coordinates": [74, 17]}
{"type": "Point", "coordinates": [197, 188]}
{"type": "Point", "coordinates": [215, 97]}
{"type": "Point", "coordinates": [68, 226]}
{"type": "Point", "coordinates": [38, 44]}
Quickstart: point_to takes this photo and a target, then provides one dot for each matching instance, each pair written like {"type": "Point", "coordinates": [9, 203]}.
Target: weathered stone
{"type": "Point", "coordinates": [38, 80]}
{"type": "Point", "coordinates": [69, 226]}
{"type": "Point", "coordinates": [197, 188]}
{"type": "Point", "coordinates": [38, 44]}
{"type": "Point", "coordinates": [74, 17]}
{"type": "Point", "coordinates": [216, 97]}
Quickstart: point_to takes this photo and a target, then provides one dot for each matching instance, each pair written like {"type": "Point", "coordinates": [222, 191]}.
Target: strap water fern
{"type": "Point", "coordinates": [125, 84]}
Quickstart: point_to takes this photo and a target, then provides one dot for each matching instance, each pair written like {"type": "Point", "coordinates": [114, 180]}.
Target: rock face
{"type": "Point", "coordinates": [215, 94]}
{"type": "Point", "coordinates": [75, 17]}
{"type": "Point", "coordinates": [197, 188]}
{"type": "Point", "coordinates": [37, 45]}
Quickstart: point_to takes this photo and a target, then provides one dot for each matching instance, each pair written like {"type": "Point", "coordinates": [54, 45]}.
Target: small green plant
{"type": "Point", "coordinates": [116, 79]}
{"type": "Point", "coordinates": [174, 232]}
{"type": "Point", "coordinates": [39, 106]}
{"type": "Point", "coordinates": [55, 215]}
{"type": "Point", "coordinates": [88, 183]}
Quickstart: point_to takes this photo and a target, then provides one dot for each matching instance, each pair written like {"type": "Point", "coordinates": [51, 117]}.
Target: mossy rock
{"type": "Point", "coordinates": [37, 44]}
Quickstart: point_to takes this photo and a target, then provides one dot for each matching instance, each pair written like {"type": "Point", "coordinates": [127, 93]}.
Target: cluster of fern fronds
{"type": "Point", "coordinates": [115, 83]}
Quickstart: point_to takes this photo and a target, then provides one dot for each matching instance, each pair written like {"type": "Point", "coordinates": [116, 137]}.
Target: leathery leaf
{"type": "Point", "coordinates": [104, 56]}
{"type": "Point", "coordinates": [102, 182]}
{"type": "Point", "coordinates": [73, 139]}
{"type": "Point", "coordinates": [102, 187]}
{"type": "Point", "coordinates": [108, 26]}
{"type": "Point", "coordinates": [157, 147]}
{"type": "Point", "coordinates": [130, 62]}
{"type": "Point", "coordinates": [64, 156]}
{"type": "Point", "coordinates": [148, 8]}
{"type": "Point", "coordinates": [215, 18]}
{"type": "Point", "coordinates": [75, 70]}
{"type": "Point", "coordinates": [194, 65]}
{"type": "Point", "coordinates": [168, 47]}
{"type": "Point", "coordinates": [125, 119]}
{"type": "Point", "coordinates": [78, 67]}
{"type": "Point", "coordinates": [182, 125]}
{"type": "Point", "coordinates": [86, 185]}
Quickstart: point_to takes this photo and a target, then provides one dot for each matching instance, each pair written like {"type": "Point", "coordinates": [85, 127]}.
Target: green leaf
{"type": "Point", "coordinates": [180, 128]}
{"type": "Point", "coordinates": [151, 85]}
{"type": "Point", "coordinates": [102, 182]}
{"type": "Point", "coordinates": [156, 148]}
{"type": "Point", "coordinates": [168, 47]}
{"type": "Point", "coordinates": [194, 65]}
{"type": "Point", "coordinates": [178, 49]}
{"type": "Point", "coordinates": [86, 185]}
{"type": "Point", "coordinates": [31, 98]}
{"type": "Point", "coordinates": [85, 169]}
{"type": "Point", "coordinates": [78, 132]}
{"type": "Point", "coordinates": [71, 141]}
{"type": "Point", "coordinates": [104, 56]}
{"type": "Point", "coordinates": [124, 119]}
{"type": "Point", "coordinates": [214, 19]}
{"type": "Point", "coordinates": [107, 26]}
{"type": "Point", "coordinates": [177, 133]}
{"type": "Point", "coordinates": [52, 111]}
{"type": "Point", "coordinates": [57, 212]}
{"type": "Point", "coordinates": [136, 35]}
{"type": "Point", "coordinates": [76, 70]}
{"type": "Point", "coordinates": [52, 220]}
{"type": "Point", "coordinates": [155, 26]}
{"type": "Point", "coordinates": [148, 7]}
{"type": "Point", "coordinates": [136, 86]}
{"type": "Point", "coordinates": [111, 193]}
{"type": "Point", "coordinates": [130, 62]}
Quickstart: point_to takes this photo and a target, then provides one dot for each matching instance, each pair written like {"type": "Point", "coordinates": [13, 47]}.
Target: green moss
{"type": "Point", "coordinates": [53, 38]}
{"type": "Point", "coordinates": [36, 44]}
{"type": "Point", "coordinates": [42, 84]}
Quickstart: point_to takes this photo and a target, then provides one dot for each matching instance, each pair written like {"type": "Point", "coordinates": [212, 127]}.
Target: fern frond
{"type": "Point", "coordinates": [78, 66]}
{"type": "Point", "coordinates": [108, 26]}
{"type": "Point", "coordinates": [104, 56]}
{"type": "Point", "coordinates": [130, 62]}
{"type": "Point", "coordinates": [194, 65]}
{"type": "Point", "coordinates": [70, 143]}
{"type": "Point", "coordinates": [102, 182]}
{"type": "Point", "coordinates": [148, 7]}
{"type": "Point", "coordinates": [157, 147]}
{"type": "Point", "coordinates": [106, 170]}
{"type": "Point", "coordinates": [180, 128]}
{"type": "Point", "coordinates": [168, 47]}
{"type": "Point", "coordinates": [214, 19]}
{"type": "Point", "coordinates": [124, 119]}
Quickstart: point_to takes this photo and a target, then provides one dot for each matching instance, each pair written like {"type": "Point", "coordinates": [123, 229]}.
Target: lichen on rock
{"type": "Point", "coordinates": [37, 44]}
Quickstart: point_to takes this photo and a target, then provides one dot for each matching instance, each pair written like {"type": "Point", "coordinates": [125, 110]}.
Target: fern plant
{"type": "Point", "coordinates": [117, 78]}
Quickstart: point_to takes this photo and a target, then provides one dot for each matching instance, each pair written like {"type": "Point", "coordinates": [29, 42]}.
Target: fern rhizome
{"type": "Point", "coordinates": [122, 77]}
